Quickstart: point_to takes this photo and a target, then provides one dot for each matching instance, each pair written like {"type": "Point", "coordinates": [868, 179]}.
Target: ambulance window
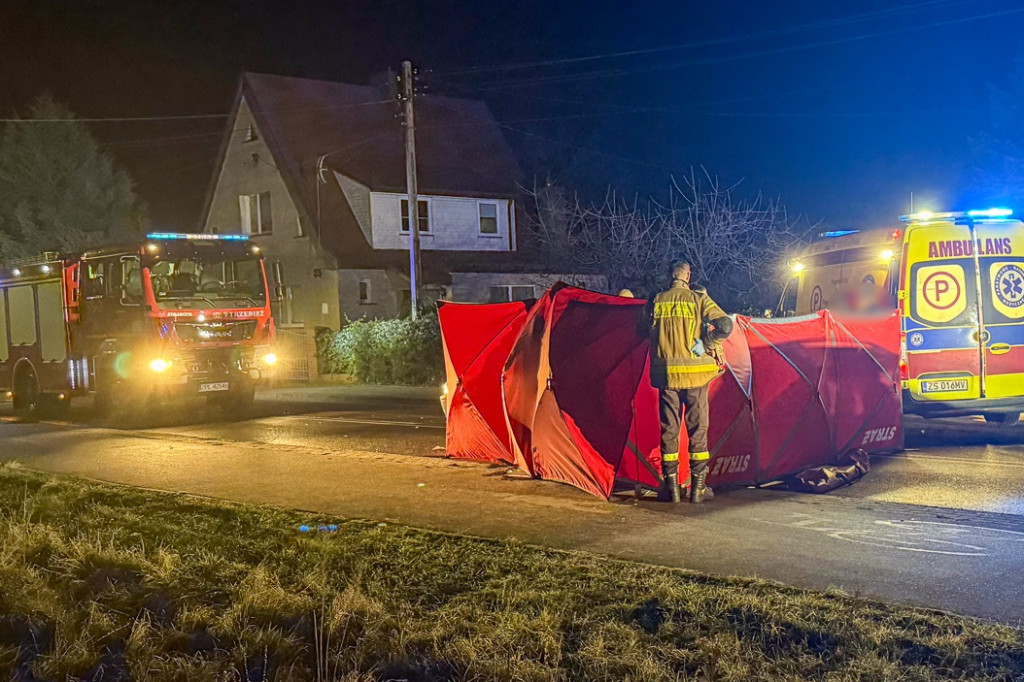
{"type": "Point", "coordinates": [21, 303]}
{"type": "Point", "coordinates": [941, 293]}
{"type": "Point", "coordinates": [789, 297]}
{"type": "Point", "coordinates": [1003, 289]}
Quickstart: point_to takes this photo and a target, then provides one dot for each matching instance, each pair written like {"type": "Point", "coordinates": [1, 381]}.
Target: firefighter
{"type": "Point", "coordinates": [686, 328]}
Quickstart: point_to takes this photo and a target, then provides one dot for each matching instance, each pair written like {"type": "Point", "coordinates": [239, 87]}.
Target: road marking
{"type": "Point", "coordinates": [959, 460]}
{"type": "Point", "coordinates": [375, 422]}
{"type": "Point", "coordinates": [950, 539]}
{"type": "Point", "coordinates": [962, 525]}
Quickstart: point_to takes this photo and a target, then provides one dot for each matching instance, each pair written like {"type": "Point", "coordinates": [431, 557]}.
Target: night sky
{"type": "Point", "coordinates": [842, 111]}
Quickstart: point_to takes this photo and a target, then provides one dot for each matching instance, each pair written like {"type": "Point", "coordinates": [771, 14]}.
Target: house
{"type": "Point", "coordinates": [314, 172]}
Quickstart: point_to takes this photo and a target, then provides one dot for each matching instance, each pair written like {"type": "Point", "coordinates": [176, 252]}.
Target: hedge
{"type": "Point", "coordinates": [399, 351]}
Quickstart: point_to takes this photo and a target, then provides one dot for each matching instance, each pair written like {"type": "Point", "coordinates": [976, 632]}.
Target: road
{"type": "Point", "coordinates": [940, 525]}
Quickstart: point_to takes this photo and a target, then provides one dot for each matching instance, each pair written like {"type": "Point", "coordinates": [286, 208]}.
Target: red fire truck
{"type": "Point", "coordinates": [171, 316]}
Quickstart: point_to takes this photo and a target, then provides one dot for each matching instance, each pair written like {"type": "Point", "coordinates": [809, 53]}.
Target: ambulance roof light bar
{"type": "Point", "coordinates": [198, 237]}
{"type": "Point", "coordinates": [928, 216]}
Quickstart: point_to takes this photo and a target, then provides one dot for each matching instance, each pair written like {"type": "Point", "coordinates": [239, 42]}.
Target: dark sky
{"type": "Point", "coordinates": [842, 111]}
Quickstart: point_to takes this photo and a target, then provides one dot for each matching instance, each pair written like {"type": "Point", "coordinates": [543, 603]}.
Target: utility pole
{"type": "Point", "coordinates": [411, 186]}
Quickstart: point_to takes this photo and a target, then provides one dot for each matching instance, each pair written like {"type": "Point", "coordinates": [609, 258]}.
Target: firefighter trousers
{"type": "Point", "coordinates": [691, 406]}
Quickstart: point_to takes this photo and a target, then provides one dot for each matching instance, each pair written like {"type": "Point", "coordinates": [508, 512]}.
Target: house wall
{"type": "Point", "coordinates": [307, 271]}
{"type": "Point", "coordinates": [475, 287]}
{"type": "Point", "coordinates": [383, 295]}
{"type": "Point", "coordinates": [454, 224]}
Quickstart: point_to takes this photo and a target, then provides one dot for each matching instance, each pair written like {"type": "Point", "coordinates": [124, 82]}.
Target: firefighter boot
{"type": "Point", "coordinates": [698, 491]}
{"type": "Point", "coordinates": [669, 491]}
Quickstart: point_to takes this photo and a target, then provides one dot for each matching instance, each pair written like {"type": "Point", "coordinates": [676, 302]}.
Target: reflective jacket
{"type": "Point", "coordinates": [677, 319]}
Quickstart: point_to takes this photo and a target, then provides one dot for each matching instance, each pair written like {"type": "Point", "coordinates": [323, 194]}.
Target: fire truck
{"type": "Point", "coordinates": [168, 317]}
{"type": "Point", "coordinates": [957, 280]}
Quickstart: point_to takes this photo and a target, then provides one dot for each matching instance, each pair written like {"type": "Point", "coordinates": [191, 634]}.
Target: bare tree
{"type": "Point", "coordinates": [735, 246]}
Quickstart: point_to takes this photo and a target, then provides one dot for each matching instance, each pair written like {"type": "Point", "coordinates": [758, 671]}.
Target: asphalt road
{"type": "Point", "coordinates": [940, 525]}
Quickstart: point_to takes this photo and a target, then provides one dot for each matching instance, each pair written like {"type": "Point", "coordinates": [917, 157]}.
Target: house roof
{"type": "Point", "coordinates": [356, 129]}
{"type": "Point", "coordinates": [459, 146]}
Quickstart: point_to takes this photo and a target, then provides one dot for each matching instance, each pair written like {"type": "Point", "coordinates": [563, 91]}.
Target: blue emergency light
{"type": "Point", "coordinates": [198, 237]}
{"type": "Point", "coordinates": [838, 233]}
{"type": "Point", "coordinates": [927, 216]}
{"type": "Point", "coordinates": [991, 213]}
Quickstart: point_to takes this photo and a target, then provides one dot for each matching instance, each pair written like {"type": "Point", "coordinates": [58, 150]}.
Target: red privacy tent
{"type": "Point", "coordinates": [801, 392]}
{"type": "Point", "coordinates": [573, 386]}
{"type": "Point", "coordinates": [570, 382]}
{"type": "Point", "coordinates": [474, 356]}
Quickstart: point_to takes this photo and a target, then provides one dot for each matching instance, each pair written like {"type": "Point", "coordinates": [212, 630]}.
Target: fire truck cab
{"type": "Point", "coordinates": [172, 316]}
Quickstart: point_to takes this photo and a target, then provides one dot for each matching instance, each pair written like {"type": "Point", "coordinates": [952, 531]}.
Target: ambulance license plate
{"type": "Point", "coordinates": [944, 386]}
{"type": "Point", "coordinates": [215, 386]}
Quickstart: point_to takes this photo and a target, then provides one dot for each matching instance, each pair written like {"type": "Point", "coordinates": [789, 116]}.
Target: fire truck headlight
{"type": "Point", "coordinates": [887, 254]}
{"type": "Point", "coordinates": [159, 365]}
{"type": "Point", "coordinates": [270, 359]}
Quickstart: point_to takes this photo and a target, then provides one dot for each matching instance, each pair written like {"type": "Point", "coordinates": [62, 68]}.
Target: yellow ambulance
{"type": "Point", "coordinates": [957, 279]}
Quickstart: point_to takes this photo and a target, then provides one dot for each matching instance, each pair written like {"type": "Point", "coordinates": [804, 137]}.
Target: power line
{"type": "Point", "coordinates": [616, 72]}
{"type": "Point", "coordinates": [143, 119]}
{"type": "Point", "coordinates": [827, 23]}
{"type": "Point", "coordinates": [550, 139]}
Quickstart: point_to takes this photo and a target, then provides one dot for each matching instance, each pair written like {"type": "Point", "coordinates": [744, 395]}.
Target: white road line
{"type": "Point", "coordinates": [960, 460]}
{"type": "Point", "coordinates": [375, 422]}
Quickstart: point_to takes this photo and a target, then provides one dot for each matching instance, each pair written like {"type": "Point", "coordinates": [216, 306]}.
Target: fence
{"type": "Point", "coordinates": [296, 353]}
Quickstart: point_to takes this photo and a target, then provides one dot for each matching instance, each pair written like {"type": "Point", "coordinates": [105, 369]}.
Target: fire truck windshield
{"type": "Point", "coordinates": [205, 281]}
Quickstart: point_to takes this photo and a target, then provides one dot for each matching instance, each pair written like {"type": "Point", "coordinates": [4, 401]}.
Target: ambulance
{"type": "Point", "coordinates": [957, 280]}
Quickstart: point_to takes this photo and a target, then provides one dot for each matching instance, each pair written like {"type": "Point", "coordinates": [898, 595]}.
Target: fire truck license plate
{"type": "Point", "coordinates": [215, 386]}
{"type": "Point", "coordinates": [944, 386]}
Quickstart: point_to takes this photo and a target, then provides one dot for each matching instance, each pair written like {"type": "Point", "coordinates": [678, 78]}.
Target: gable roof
{"type": "Point", "coordinates": [460, 151]}
{"type": "Point", "coordinates": [459, 146]}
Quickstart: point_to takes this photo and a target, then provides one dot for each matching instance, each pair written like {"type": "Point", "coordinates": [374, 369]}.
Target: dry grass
{"type": "Point", "coordinates": [100, 582]}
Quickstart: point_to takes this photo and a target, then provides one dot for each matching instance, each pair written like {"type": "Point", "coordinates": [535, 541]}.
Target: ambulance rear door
{"type": "Point", "coordinates": [941, 320]}
{"type": "Point", "coordinates": [1001, 259]}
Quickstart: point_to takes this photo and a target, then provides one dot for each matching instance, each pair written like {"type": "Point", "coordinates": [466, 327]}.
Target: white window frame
{"type": "Point", "coordinates": [403, 227]}
{"type": "Point", "coordinates": [480, 219]}
{"type": "Point", "coordinates": [250, 213]}
{"type": "Point", "coordinates": [508, 291]}
{"type": "Point", "coordinates": [369, 292]}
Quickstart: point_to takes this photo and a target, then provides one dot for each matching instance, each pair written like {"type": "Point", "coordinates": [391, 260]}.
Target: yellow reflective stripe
{"type": "Point", "coordinates": [700, 455]}
{"type": "Point", "coordinates": [670, 457]}
{"type": "Point", "coordinates": [670, 309]}
{"type": "Point", "coordinates": [691, 369]}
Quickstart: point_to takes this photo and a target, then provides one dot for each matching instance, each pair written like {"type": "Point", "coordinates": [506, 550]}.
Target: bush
{"type": "Point", "coordinates": [399, 351]}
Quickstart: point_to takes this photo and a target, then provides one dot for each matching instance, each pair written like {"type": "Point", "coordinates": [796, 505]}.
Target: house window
{"type": "Point", "coordinates": [424, 215]}
{"type": "Point", "coordinates": [511, 292]}
{"type": "Point", "coordinates": [256, 213]}
{"type": "Point", "coordinates": [488, 219]}
{"type": "Point", "coordinates": [364, 292]}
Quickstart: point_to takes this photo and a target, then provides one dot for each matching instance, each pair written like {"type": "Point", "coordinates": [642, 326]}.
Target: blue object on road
{"type": "Point", "coordinates": [322, 529]}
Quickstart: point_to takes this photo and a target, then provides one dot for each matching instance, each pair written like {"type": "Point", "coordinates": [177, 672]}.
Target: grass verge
{"type": "Point", "coordinates": [101, 582]}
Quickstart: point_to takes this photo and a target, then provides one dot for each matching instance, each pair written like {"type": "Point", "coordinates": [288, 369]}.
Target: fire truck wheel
{"type": "Point", "coordinates": [1003, 419]}
{"type": "Point", "coordinates": [26, 396]}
